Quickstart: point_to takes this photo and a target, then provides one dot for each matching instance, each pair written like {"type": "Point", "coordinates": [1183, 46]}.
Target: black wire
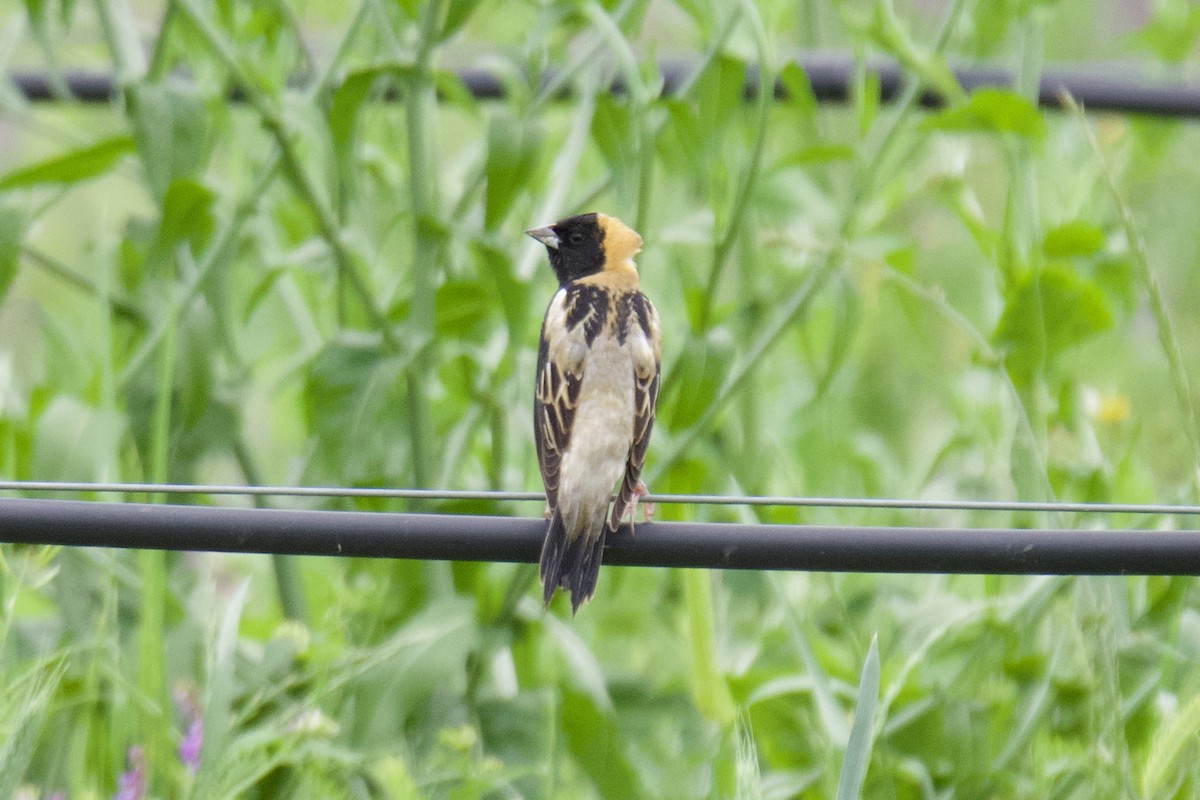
{"type": "Point", "coordinates": [662, 544]}
{"type": "Point", "coordinates": [831, 79]}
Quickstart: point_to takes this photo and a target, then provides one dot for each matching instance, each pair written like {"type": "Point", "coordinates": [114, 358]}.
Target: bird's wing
{"type": "Point", "coordinates": [645, 347]}
{"type": "Point", "coordinates": [562, 351]}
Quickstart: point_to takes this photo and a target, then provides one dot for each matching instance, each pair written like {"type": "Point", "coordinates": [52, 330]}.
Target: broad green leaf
{"type": "Point", "coordinates": [612, 133]}
{"type": "Point", "coordinates": [520, 731]}
{"type": "Point", "coordinates": [355, 403]}
{"type": "Point", "coordinates": [702, 369]}
{"type": "Point", "coordinates": [513, 293]}
{"type": "Point", "coordinates": [1172, 32]}
{"type": "Point", "coordinates": [463, 310]}
{"type": "Point", "coordinates": [586, 674]}
{"type": "Point", "coordinates": [186, 219]}
{"type": "Point", "coordinates": [798, 89]}
{"type": "Point", "coordinates": [346, 101]}
{"type": "Point", "coordinates": [597, 746]}
{"type": "Point", "coordinates": [719, 96]}
{"type": "Point", "coordinates": [1045, 314]}
{"type": "Point", "coordinates": [171, 130]}
{"type": "Point", "coordinates": [456, 16]}
{"type": "Point", "coordinates": [12, 229]}
{"type": "Point", "coordinates": [1075, 238]}
{"type": "Point", "coordinates": [513, 148]}
{"type": "Point", "coordinates": [858, 748]}
{"type": "Point", "coordinates": [73, 440]}
{"type": "Point", "coordinates": [994, 110]}
{"type": "Point", "coordinates": [77, 165]}
{"type": "Point", "coordinates": [680, 143]}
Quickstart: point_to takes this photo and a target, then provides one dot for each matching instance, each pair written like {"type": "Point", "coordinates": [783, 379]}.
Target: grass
{"type": "Point", "coordinates": [322, 286]}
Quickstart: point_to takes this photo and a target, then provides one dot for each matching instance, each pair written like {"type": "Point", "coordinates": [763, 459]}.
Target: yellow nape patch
{"type": "Point", "coordinates": [621, 242]}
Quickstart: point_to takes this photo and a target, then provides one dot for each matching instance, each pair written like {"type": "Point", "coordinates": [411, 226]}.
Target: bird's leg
{"type": "Point", "coordinates": [639, 492]}
{"type": "Point", "coordinates": [647, 507]}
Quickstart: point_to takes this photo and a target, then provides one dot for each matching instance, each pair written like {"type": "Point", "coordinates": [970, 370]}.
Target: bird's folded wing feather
{"type": "Point", "coordinates": [561, 356]}
{"type": "Point", "coordinates": [646, 349]}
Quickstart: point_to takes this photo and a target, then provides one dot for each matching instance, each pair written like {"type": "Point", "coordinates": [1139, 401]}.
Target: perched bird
{"type": "Point", "coordinates": [597, 383]}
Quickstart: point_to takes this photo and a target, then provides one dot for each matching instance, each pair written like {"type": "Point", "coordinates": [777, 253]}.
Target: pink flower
{"type": "Point", "coordinates": [189, 748]}
{"type": "Point", "coordinates": [132, 784]}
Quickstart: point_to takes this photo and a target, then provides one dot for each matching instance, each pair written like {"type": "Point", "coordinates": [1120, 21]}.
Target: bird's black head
{"type": "Point", "coordinates": [575, 245]}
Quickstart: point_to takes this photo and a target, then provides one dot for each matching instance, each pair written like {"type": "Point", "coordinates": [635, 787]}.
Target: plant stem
{"type": "Point", "coordinates": [212, 257]}
{"type": "Point", "coordinates": [152, 565]}
{"type": "Point", "coordinates": [293, 168]}
{"type": "Point", "coordinates": [289, 584]}
{"type": "Point", "coordinates": [737, 217]}
{"type": "Point", "coordinates": [1158, 306]}
{"type": "Point", "coordinates": [61, 271]}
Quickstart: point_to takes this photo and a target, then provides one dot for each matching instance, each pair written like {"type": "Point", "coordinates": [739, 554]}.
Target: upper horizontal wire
{"type": "Point", "coordinates": [680, 499]}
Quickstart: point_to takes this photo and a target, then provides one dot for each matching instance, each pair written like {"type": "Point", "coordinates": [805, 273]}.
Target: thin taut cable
{"type": "Point", "coordinates": [531, 497]}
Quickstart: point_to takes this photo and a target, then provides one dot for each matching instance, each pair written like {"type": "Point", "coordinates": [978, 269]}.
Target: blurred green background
{"type": "Point", "coordinates": [327, 284]}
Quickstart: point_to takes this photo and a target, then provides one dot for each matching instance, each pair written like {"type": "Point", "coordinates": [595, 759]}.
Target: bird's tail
{"type": "Point", "coordinates": [572, 563]}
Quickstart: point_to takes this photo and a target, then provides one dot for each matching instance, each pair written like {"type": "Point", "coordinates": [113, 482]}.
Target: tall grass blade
{"type": "Point", "coordinates": [858, 748]}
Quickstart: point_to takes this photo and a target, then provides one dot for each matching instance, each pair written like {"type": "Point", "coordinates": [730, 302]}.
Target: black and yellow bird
{"type": "Point", "coordinates": [597, 383]}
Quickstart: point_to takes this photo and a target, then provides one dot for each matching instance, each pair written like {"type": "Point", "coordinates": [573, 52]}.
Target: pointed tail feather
{"type": "Point", "coordinates": [582, 579]}
{"type": "Point", "coordinates": [550, 567]}
{"type": "Point", "coordinates": [574, 565]}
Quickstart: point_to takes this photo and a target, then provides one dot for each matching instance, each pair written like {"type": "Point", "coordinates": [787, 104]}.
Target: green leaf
{"type": "Point", "coordinates": [457, 14]}
{"type": "Point", "coordinates": [513, 293]}
{"type": "Point", "coordinates": [462, 310]}
{"type": "Point", "coordinates": [994, 110]}
{"type": "Point", "coordinates": [77, 165]}
{"type": "Point", "coordinates": [221, 689]}
{"type": "Point", "coordinates": [598, 748]}
{"type": "Point", "coordinates": [1172, 32]}
{"type": "Point", "coordinates": [171, 130]}
{"type": "Point", "coordinates": [346, 101]}
{"type": "Point", "coordinates": [719, 96]}
{"type": "Point", "coordinates": [513, 148]}
{"type": "Point", "coordinates": [1044, 315]}
{"type": "Point", "coordinates": [186, 219]}
{"type": "Point", "coordinates": [858, 748]}
{"type": "Point", "coordinates": [680, 144]}
{"type": "Point", "coordinates": [797, 88]}
{"type": "Point", "coordinates": [702, 369]}
{"type": "Point", "coordinates": [612, 132]}
{"type": "Point", "coordinates": [1075, 238]}
{"type": "Point", "coordinates": [355, 404]}
{"type": "Point", "coordinates": [12, 229]}
{"type": "Point", "coordinates": [817, 154]}
{"type": "Point", "coordinates": [73, 441]}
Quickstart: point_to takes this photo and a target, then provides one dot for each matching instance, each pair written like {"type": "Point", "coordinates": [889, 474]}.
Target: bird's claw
{"type": "Point", "coordinates": [639, 492]}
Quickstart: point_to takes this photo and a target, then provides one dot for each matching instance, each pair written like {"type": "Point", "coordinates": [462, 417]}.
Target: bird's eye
{"type": "Point", "coordinates": [576, 237]}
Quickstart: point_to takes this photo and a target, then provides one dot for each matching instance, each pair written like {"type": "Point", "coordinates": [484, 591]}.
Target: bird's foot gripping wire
{"type": "Point", "coordinates": [648, 508]}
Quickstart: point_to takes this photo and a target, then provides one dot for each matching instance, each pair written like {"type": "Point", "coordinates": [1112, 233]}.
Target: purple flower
{"type": "Point", "coordinates": [189, 748]}
{"type": "Point", "coordinates": [132, 784]}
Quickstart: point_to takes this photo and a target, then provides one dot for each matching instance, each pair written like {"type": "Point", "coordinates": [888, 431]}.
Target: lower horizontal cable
{"type": "Point", "coordinates": [452, 537]}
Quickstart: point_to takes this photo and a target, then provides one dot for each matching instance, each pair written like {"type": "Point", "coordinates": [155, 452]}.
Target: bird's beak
{"type": "Point", "coordinates": [546, 236]}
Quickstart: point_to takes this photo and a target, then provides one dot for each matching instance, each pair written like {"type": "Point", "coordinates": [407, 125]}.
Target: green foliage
{"type": "Point", "coordinates": [324, 281]}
